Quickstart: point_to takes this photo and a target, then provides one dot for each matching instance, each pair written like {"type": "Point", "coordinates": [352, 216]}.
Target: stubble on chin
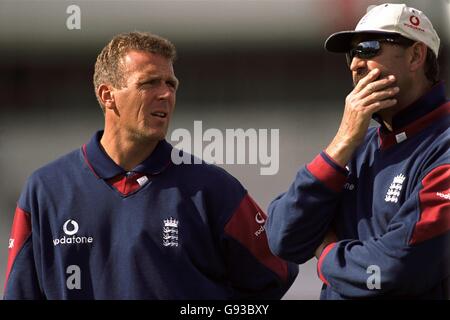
{"type": "Point", "coordinates": [359, 76]}
{"type": "Point", "coordinates": [144, 136]}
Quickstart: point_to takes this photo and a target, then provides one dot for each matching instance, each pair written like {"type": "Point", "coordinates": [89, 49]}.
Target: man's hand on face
{"type": "Point", "coordinates": [368, 97]}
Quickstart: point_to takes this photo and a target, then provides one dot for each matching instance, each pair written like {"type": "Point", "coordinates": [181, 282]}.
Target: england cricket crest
{"type": "Point", "coordinates": [394, 189]}
{"type": "Point", "coordinates": [170, 233]}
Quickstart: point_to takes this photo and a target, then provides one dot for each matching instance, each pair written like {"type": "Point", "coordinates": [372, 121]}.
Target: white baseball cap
{"type": "Point", "coordinates": [389, 18]}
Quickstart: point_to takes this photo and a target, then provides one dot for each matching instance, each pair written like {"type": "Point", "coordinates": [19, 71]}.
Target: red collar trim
{"type": "Point", "coordinates": [399, 135]}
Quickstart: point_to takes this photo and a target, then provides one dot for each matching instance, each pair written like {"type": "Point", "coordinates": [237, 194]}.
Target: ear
{"type": "Point", "coordinates": [106, 95]}
{"type": "Point", "coordinates": [418, 55]}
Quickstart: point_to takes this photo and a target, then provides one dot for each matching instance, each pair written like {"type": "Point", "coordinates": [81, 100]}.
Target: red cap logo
{"type": "Point", "coordinates": [414, 20]}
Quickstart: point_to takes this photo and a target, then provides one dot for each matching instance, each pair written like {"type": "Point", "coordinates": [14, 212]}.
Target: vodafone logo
{"type": "Point", "coordinates": [74, 227]}
{"type": "Point", "coordinates": [259, 218]}
{"type": "Point", "coordinates": [445, 196]}
{"type": "Point", "coordinates": [70, 228]}
{"type": "Point", "coordinates": [414, 20]}
{"type": "Point", "coordinates": [414, 23]}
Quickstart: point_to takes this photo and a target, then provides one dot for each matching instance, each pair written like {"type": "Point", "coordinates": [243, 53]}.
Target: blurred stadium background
{"type": "Point", "coordinates": [242, 64]}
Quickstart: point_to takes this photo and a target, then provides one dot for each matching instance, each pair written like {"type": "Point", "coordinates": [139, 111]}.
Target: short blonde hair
{"type": "Point", "coordinates": [109, 68]}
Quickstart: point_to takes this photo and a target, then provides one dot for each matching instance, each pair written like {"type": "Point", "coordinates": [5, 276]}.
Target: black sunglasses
{"type": "Point", "coordinates": [371, 48]}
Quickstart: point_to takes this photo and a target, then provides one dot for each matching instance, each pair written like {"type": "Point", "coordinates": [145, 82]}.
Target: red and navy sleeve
{"type": "Point", "coordinates": [409, 259]}
{"type": "Point", "coordinates": [21, 274]}
{"type": "Point", "coordinates": [253, 271]}
{"type": "Point", "coordinates": [299, 219]}
{"type": "Point", "coordinates": [21, 278]}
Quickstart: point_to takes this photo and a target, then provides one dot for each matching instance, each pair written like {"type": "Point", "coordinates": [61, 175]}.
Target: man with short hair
{"type": "Point", "coordinates": [117, 219]}
{"type": "Point", "coordinates": [374, 206]}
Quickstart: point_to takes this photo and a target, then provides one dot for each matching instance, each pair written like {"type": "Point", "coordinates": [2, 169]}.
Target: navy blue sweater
{"type": "Point", "coordinates": [390, 209]}
{"type": "Point", "coordinates": [86, 229]}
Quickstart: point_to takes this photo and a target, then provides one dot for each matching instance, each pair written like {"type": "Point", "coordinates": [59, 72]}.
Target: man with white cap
{"type": "Point", "coordinates": [374, 206]}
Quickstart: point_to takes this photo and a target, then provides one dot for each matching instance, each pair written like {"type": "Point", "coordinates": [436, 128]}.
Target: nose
{"type": "Point", "coordinates": [357, 64]}
{"type": "Point", "coordinates": [165, 92]}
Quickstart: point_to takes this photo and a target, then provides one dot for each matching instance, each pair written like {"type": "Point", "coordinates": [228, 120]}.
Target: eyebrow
{"type": "Point", "coordinates": [146, 79]}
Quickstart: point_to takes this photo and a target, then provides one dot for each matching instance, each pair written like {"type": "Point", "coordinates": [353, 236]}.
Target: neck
{"type": "Point", "coordinates": [405, 98]}
{"type": "Point", "coordinates": [124, 149]}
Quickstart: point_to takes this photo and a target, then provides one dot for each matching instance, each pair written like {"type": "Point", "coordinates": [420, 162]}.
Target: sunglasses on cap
{"type": "Point", "coordinates": [371, 48]}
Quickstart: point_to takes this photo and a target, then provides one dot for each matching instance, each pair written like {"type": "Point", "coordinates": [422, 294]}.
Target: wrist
{"type": "Point", "coordinates": [341, 152]}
